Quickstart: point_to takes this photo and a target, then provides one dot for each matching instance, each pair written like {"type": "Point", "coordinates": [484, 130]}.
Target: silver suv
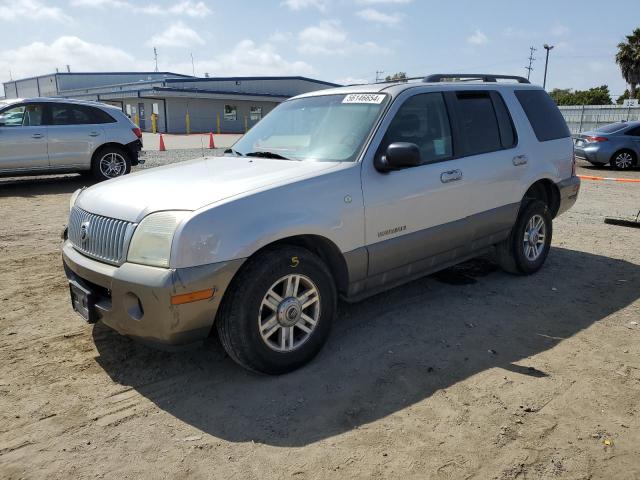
{"type": "Point", "coordinates": [52, 135]}
{"type": "Point", "coordinates": [342, 192]}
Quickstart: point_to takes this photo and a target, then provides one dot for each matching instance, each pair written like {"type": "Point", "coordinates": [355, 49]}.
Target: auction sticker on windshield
{"type": "Point", "coordinates": [364, 98]}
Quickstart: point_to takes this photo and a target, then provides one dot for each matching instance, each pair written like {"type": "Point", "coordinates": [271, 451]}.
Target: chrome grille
{"type": "Point", "coordinates": [105, 238]}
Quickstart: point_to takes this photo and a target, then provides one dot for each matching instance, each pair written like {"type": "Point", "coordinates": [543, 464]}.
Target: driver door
{"type": "Point", "coordinates": [23, 138]}
{"type": "Point", "coordinates": [415, 217]}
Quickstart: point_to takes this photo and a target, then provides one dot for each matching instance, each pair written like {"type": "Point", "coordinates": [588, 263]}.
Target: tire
{"type": "Point", "coordinates": [249, 309]}
{"type": "Point", "coordinates": [515, 254]}
{"type": "Point", "coordinates": [110, 162]}
{"type": "Point", "coordinates": [623, 160]}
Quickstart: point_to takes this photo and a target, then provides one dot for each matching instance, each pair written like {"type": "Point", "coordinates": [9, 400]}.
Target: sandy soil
{"type": "Point", "coordinates": [471, 373]}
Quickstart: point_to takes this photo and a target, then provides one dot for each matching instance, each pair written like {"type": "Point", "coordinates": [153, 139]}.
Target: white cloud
{"type": "Point", "coordinates": [328, 38]}
{"type": "Point", "coordinates": [39, 58]}
{"type": "Point", "coordinates": [559, 30]}
{"type": "Point", "coordinates": [247, 58]}
{"type": "Point", "coordinates": [381, 2]}
{"type": "Point", "coordinates": [376, 16]}
{"type": "Point", "coordinates": [11, 10]}
{"type": "Point", "coordinates": [280, 37]}
{"type": "Point", "coordinates": [351, 81]}
{"type": "Point", "coordinates": [188, 8]}
{"type": "Point", "coordinates": [302, 4]}
{"type": "Point", "coordinates": [478, 38]}
{"type": "Point", "coordinates": [177, 35]}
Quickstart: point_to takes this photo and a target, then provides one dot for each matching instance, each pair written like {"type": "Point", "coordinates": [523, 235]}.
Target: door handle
{"type": "Point", "coordinates": [451, 176]}
{"type": "Point", "coordinates": [37, 135]}
{"type": "Point", "coordinates": [520, 160]}
{"type": "Point", "coordinates": [94, 134]}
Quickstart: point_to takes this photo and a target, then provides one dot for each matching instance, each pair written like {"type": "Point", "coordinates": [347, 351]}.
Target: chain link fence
{"type": "Point", "coordinates": [582, 118]}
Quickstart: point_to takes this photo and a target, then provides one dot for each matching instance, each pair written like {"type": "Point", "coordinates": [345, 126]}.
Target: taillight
{"type": "Point", "coordinates": [573, 166]}
{"type": "Point", "coordinates": [137, 132]}
{"type": "Point", "coordinates": [596, 139]}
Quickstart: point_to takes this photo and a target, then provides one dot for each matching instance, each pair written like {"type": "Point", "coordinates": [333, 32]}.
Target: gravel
{"type": "Point", "coordinates": [157, 159]}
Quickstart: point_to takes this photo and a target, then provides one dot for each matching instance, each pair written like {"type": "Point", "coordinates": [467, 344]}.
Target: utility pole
{"type": "Point", "coordinates": [531, 59]}
{"type": "Point", "coordinates": [193, 66]}
{"type": "Point", "coordinates": [548, 48]}
{"type": "Point", "coordinates": [155, 58]}
{"type": "Point", "coordinates": [379, 75]}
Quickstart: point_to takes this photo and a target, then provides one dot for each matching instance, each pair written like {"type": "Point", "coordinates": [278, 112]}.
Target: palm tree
{"type": "Point", "coordinates": [628, 58]}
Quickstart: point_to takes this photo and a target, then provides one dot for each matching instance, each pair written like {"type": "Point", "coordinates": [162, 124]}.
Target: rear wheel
{"type": "Point", "coordinates": [526, 249]}
{"type": "Point", "coordinates": [279, 310]}
{"type": "Point", "coordinates": [623, 160]}
{"type": "Point", "coordinates": [110, 162]}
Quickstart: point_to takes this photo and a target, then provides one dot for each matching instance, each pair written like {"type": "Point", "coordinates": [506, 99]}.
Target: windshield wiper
{"type": "Point", "coordinates": [231, 150]}
{"type": "Point", "coordinates": [263, 154]}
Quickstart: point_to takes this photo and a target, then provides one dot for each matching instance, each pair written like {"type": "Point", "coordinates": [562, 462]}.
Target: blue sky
{"type": "Point", "coordinates": [344, 41]}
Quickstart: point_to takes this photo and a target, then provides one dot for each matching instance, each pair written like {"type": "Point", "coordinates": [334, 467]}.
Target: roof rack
{"type": "Point", "coordinates": [485, 77]}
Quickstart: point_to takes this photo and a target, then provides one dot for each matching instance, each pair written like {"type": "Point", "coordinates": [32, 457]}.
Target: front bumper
{"type": "Point", "coordinates": [569, 189]}
{"type": "Point", "coordinates": [135, 300]}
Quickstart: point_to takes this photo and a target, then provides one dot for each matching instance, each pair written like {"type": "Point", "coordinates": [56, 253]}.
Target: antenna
{"type": "Point", "coordinates": [155, 58]}
{"type": "Point", "coordinates": [531, 59]}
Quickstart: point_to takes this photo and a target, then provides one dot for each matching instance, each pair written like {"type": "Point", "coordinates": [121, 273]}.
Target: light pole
{"type": "Point", "coordinates": [546, 64]}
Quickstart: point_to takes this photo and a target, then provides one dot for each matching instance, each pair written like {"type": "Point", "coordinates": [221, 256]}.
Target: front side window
{"type": "Point", "coordinates": [479, 129]}
{"type": "Point", "coordinates": [317, 128]}
{"type": "Point", "coordinates": [422, 120]}
{"type": "Point", "coordinates": [22, 116]}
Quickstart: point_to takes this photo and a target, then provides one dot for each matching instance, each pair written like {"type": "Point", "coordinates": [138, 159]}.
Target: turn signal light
{"type": "Point", "coordinates": [192, 297]}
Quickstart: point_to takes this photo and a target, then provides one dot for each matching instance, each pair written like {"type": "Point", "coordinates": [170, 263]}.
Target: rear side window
{"type": "Point", "coordinates": [543, 114]}
{"type": "Point", "coordinates": [634, 132]}
{"type": "Point", "coordinates": [478, 123]}
{"type": "Point", "coordinates": [508, 135]}
{"type": "Point", "coordinates": [64, 114]}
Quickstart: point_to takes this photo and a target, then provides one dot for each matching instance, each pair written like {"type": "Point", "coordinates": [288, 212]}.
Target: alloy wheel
{"type": "Point", "coordinates": [289, 313]}
{"type": "Point", "coordinates": [113, 165]}
{"type": "Point", "coordinates": [534, 238]}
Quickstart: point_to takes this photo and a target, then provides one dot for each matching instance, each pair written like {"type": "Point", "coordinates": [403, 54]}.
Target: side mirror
{"type": "Point", "coordinates": [399, 155]}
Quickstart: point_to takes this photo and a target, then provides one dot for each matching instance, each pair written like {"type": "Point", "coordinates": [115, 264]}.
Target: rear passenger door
{"type": "Point", "coordinates": [74, 134]}
{"type": "Point", "coordinates": [493, 163]}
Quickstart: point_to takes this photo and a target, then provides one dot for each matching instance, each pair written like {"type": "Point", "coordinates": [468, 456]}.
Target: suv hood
{"type": "Point", "coordinates": [191, 185]}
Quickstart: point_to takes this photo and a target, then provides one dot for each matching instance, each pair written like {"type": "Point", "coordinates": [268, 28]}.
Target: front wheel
{"type": "Point", "coordinates": [623, 160]}
{"type": "Point", "coordinates": [526, 249]}
{"type": "Point", "coordinates": [279, 310]}
{"type": "Point", "coordinates": [110, 162]}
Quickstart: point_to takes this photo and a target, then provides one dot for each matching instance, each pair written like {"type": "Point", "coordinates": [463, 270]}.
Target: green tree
{"type": "Point", "coordinates": [623, 97]}
{"type": "Point", "coordinates": [396, 77]}
{"type": "Point", "coordinates": [628, 59]}
{"type": "Point", "coordinates": [593, 96]}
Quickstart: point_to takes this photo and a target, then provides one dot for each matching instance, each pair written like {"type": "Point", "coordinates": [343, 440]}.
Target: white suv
{"type": "Point", "coordinates": [343, 192]}
{"type": "Point", "coordinates": [59, 135]}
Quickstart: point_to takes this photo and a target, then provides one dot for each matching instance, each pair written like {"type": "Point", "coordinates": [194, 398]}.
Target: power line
{"type": "Point", "coordinates": [531, 59]}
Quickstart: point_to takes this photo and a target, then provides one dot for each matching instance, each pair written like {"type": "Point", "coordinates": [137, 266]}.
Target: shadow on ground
{"type": "Point", "coordinates": [385, 353]}
{"type": "Point", "coordinates": [31, 186]}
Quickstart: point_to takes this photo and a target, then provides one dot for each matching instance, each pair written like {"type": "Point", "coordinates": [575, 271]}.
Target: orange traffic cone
{"type": "Point", "coordinates": [162, 147]}
{"type": "Point", "coordinates": [212, 144]}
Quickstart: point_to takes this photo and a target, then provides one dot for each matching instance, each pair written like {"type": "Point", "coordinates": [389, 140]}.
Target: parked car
{"type": "Point", "coordinates": [616, 144]}
{"type": "Point", "coordinates": [55, 135]}
{"type": "Point", "coordinates": [341, 192]}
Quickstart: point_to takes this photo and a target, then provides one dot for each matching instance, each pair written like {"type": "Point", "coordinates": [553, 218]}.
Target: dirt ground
{"type": "Point", "coordinates": [471, 373]}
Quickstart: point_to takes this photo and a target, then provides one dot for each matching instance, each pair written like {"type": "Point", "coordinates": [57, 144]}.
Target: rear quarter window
{"type": "Point", "coordinates": [543, 114]}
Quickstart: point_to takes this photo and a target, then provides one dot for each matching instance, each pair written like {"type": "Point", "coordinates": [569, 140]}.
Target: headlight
{"type": "Point", "coordinates": [74, 197]}
{"type": "Point", "coordinates": [151, 242]}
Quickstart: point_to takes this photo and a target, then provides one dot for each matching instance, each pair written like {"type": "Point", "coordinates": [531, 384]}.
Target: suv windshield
{"type": "Point", "coordinates": [325, 128]}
